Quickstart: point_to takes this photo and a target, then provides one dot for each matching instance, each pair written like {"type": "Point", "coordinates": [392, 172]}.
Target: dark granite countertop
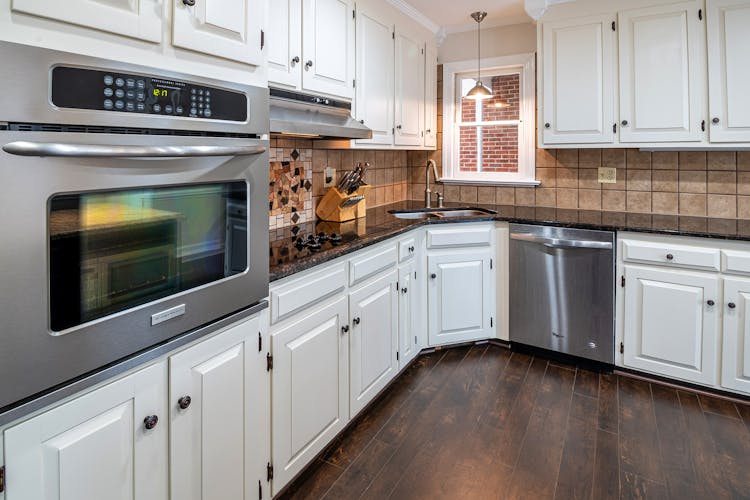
{"type": "Point", "coordinates": [379, 225]}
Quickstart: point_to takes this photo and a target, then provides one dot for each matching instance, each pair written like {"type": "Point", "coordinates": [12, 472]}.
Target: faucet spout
{"type": "Point", "coordinates": [427, 193]}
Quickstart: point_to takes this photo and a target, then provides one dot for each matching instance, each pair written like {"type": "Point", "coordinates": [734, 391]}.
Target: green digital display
{"type": "Point", "coordinates": [160, 93]}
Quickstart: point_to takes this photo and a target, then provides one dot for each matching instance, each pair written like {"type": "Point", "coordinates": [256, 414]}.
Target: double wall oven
{"type": "Point", "coordinates": [133, 211]}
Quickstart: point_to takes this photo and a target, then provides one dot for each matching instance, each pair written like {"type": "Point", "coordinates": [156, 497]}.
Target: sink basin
{"type": "Point", "coordinates": [440, 213]}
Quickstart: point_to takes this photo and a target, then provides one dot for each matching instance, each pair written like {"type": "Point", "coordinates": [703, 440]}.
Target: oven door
{"type": "Point", "coordinates": [114, 243]}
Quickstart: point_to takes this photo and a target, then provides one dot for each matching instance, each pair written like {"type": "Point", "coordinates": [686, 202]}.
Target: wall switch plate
{"type": "Point", "coordinates": [607, 175]}
{"type": "Point", "coordinates": [330, 177]}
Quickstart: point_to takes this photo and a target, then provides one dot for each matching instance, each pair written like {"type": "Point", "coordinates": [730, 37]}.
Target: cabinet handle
{"type": "Point", "coordinates": [433, 276]}
{"type": "Point", "coordinates": [150, 422]}
{"type": "Point", "coordinates": [356, 321]}
{"type": "Point", "coordinates": [184, 402]}
{"type": "Point", "coordinates": [547, 125]}
{"type": "Point", "coordinates": [398, 127]}
{"type": "Point", "coordinates": [715, 120]}
{"type": "Point", "coordinates": [404, 290]}
{"type": "Point", "coordinates": [295, 60]}
{"type": "Point", "coordinates": [670, 256]}
{"type": "Point", "coordinates": [624, 123]}
{"type": "Point", "coordinates": [731, 305]}
{"type": "Point", "coordinates": [189, 3]}
{"type": "Point", "coordinates": [345, 329]}
{"type": "Point", "coordinates": [710, 302]}
{"type": "Point", "coordinates": [309, 64]}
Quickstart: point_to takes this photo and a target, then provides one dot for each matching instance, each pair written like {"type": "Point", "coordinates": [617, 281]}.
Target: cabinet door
{"type": "Point", "coordinates": [460, 296]}
{"type": "Point", "coordinates": [230, 29]}
{"type": "Point", "coordinates": [430, 98]}
{"type": "Point", "coordinates": [284, 42]}
{"type": "Point", "coordinates": [210, 451]}
{"type": "Point", "coordinates": [662, 74]}
{"type": "Point", "coordinates": [736, 352]}
{"type": "Point", "coordinates": [95, 446]}
{"type": "Point", "coordinates": [310, 390]}
{"type": "Point", "coordinates": [328, 47]}
{"type": "Point", "coordinates": [375, 81]}
{"type": "Point", "coordinates": [728, 69]}
{"type": "Point", "coordinates": [140, 19]}
{"type": "Point", "coordinates": [373, 310]}
{"type": "Point", "coordinates": [409, 90]}
{"type": "Point", "coordinates": [408, 319]}
{"type": "Point", "coordinates": [670, 328]}
{"type": "Point", "coordinates": [578, 59]}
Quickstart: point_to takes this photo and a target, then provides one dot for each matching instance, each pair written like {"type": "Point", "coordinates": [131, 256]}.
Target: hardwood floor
{"type": "Point", "coordinates": [483, 422]}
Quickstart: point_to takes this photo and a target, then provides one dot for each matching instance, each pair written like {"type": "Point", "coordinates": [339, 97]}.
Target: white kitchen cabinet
{"type": "Point", "coordinates": [408, 314]}
{"type": "Point", "coordinates": [672, 323]}
{"type": "Point", "coordinates": [728, 69]}
{"type": "Point", "coordinates": [230, 29]}
{"type": "Point", "coordinates": [141, 20]}
{"type": "Point", "coordinates": [375, 74]}
{"type": "Point", "coordinates": [373, 341]}
{"type": "Point", "coordinates": [662, 74]}
{"type": "Point", "coordinates": [284, 42]}
{"type": "Point", "coordinates": [735, 374]}
{"type": "Point", "coordinates": [310, 387]}
{"type": "Point", "coordinates": [96, 446]}
{"type": "Point", "coordinates": [410, 91]}
{"type": "Point", "coordinates": [461, 298]}
{"type": "Point", "coordinates": [328, 47]}
{"type": "Point", "coordinates": [430, 98]}
{"type": "Point", "coordinates": [218, 403]}
{"type": "Point", "coordinates": [578, 89]}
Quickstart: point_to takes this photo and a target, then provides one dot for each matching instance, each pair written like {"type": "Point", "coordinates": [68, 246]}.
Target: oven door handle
{"type": "Point", "coordinates": [25, 148]}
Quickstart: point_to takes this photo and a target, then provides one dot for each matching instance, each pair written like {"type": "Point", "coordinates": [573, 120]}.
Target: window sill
{"type": "Point", "coordinates": [474, 182]}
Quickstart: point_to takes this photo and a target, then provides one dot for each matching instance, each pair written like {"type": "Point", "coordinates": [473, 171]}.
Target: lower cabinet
{"type": "Point", "coordinates": [736, 352]}
{"type": "Point", "coordinates": [672, 322]}
{"type": "Point", "coordinates": [310, 386]}
{"type": "Point", "coordinates": [110, 443]}
{"type": "Point", "coordinates": [408, 314]}
{"type": "Point", "coordinates": [373, 341]}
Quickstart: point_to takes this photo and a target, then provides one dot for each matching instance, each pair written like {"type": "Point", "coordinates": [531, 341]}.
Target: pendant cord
{"type": "Point", "coordinates": [479, 52]}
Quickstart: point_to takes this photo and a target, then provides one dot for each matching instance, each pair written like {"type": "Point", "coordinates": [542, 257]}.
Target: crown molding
{"type": "Point", "coordinates": [415, 14]}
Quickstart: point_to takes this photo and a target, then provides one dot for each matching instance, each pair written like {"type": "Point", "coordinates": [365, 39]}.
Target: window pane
{"type": "Point", "coordinates": [500, 148]}
{"type": "Point", "coordinates": [505, 103]}
{"type": "Point", "coordinates": [467, 152]}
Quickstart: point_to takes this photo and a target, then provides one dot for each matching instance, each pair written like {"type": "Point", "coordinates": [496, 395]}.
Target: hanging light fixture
{"type": "Point", "coordinates": [479, 92]}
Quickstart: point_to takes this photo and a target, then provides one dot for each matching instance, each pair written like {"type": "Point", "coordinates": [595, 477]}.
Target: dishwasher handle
{"type": "Point", "coordinates": [561, 243]}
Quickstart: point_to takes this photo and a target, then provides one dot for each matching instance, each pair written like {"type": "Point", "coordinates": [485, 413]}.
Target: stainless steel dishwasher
{"type": "Point", "coordinates": [562, 290]}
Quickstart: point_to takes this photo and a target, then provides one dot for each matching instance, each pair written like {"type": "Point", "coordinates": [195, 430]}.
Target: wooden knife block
{"type": "Point", "coordinates": [330, 209]}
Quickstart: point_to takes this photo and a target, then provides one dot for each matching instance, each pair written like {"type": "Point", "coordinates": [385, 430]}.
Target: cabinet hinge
{"type": "Point", "coordinates": [2, 479]}
{"type": "Point", "coordinates": [622, 348]}
{"type": "Point", "coordinates": [269, 362]}
{"type": "Point", "coordinates": [622, 282]}
{"type": "Point", "coordinates": [260, 491]}
{"type": "Point", "coordinates": [393, 131]}
{"type": "Point", "coordinates": [354, 84]}
{"type": "Point", "coordinates": [415, 340]}
{"type": "Point", "coordinates": [260, 342]}
{"type": "Point", "coordinates": [354, 14]}
{"type": "Point", "coordinates": [415, 275]}
{"type": "Point", "coordinates": [614, 26]}
{"type": "Point", "coordinates": [397, 356]}
{"type": "Point", "coordinates": [397, 286]}
{"type": "Point", "coordinates": [614, 128]}
{"type": "Point", "coordinates": [700, 14]}
{"type": "Point", "coordinates": [393, 35]}
{"type": "Point", "coordinates": [262, 39]}
{"type": "Point", "coordinates": [492, 322]}
{"type": "Point", "coordinates": [703, 126]}
{"type": "Point", "coordinates": [422, 51]}
{"type": "Point", "coordinates": [491, 263]}
{"type": "Point", "coordinates": [269, 471]}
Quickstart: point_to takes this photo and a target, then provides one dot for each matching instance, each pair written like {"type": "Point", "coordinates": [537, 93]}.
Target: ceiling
{"type": "Point", "coordinates": [453, 16]}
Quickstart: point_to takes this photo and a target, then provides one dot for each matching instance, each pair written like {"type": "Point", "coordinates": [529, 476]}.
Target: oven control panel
{"type": "Point", "coordinates": [81, 88]}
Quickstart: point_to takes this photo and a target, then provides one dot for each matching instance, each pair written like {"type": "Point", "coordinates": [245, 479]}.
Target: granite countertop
{"type": "Point", "coordinates": [286, 259]}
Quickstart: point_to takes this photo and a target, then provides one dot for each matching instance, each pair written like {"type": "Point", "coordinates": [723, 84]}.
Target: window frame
{"type": "Point", "coordinates": [525, 66]}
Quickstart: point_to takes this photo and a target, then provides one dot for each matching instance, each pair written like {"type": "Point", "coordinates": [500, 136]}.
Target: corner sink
{"type": "Point", "coordinates": [440, 213]}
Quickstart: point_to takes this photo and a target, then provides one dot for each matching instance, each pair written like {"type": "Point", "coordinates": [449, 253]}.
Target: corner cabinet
{"type": "Point", "coordinates": [736, 353]}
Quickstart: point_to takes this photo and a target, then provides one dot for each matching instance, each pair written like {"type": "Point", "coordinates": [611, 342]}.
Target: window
{"type": "Point", "coordinates": [490, 141]}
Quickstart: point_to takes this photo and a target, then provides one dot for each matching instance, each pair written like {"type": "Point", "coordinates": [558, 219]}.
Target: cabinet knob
{"type": "Point", "coordinates": [433, 276]}
{"type": "Point", "coordinates": [404, 290]}
{"type": "Point", "coordinates": [150, 422]}
{"type": "Point", "coordinates": [362, 122]}
{"type": "Point", "coordinates": [624, 123]}
{"type": "Point", "coordinates": [356, 321]}
{"type": "Point", "coordinates": [189, 3]}
{"type": "Point", "coordinates": [715, 120]}
{"type": "Point", "coordinates": [710, 302]}
{"type": "Point", "coordinates": [411, 249]}
{"type": "Point", "coordinates": [670, 256]}
{"type": "Point", "coordinates": [295, 60]}
{"type": "Point", "coordinates": [398, 127]}
{"type": "Point", "coordinates": [429, 130]}
{"type": "Point", "coordinates": [184, 402]}
{"type": "Point", "coordinates": [731, 305]}
{"type": "Point", "coordinates": [547, 125]}
{"type": "Point", "coordinates": [309, 64]}
{"type": "Point", "coordinates": [345, 329]}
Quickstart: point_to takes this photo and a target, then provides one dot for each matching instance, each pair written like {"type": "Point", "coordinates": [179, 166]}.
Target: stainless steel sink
{"type": "Point", "coordinates": [440, 213]}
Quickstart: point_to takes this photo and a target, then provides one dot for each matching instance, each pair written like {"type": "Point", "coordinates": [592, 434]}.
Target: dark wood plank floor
{"type": "Point", "coordinates": [483, 422]}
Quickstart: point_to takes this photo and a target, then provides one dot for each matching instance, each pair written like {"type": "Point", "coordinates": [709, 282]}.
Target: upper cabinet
{"type": "Point", "coordinates": [578, 81]}
{"type": "Point", "coordinates": [430, 98]}
{"type": "Point", "coordinates": [662, 74]}
{"type": "Point", "coordinates": [284, 42]}
{"type": "Point", "coordinates": [409, 90]}
{"type": "Point", "coordinates": [728, 69]}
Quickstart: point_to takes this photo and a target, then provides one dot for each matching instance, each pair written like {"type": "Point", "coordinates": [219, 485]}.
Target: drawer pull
{"type": "Point", "coordinates": [184, 402]}
{"type": "Point", "coordinates": [345, 329]}
{"type": "Point", "coordinates": [404, 290]}
{"type": "Point", "coordinates": [731, 305]}
{"type": "Point", "coordinates": [150, 422]}
{"type": "Point", "coordinates": [670, 256]}
{"type": "Point", "coordinates": [356, 321]}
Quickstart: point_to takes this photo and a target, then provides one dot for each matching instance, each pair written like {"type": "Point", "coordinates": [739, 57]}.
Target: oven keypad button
{"type": "Point", "coordinates": [119, 104]}
{"type": "Point", "coordinates": [119, 93]}
{"type": "Point", "coordinates": [130, 83]}
{"type": "Point", "coordinates": [108, 104]}
{"type": "Point", "coordinates": [108, 80]}
{"type": "Point", "coordinates": [140, 84]}
{"type": "Point", "coordinates": [130, 106]}
{"type": "Point", "coordinates": [168, 109]}
{"type": "Point", "coordinates": [141, 96]}
{"type": "Point", "coordinates": [108, 92]}
{"type": "Point", "coordinates": [156, 108]}
{"type": "Point", "coordinates": [141, 106]}
{"type": "Point", "coordinates": [130, 94]}
{"type": "Point", "coordinates": [178, 110]}
{"type": "Point", "coordinates": [207, 113]}
{"type": "Point", "coordinates": [119, 82]}
{"type": "Point", "coordinates": [193, 111]}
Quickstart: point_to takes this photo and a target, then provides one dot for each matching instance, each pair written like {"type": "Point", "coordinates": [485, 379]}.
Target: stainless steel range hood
{"type": "Point", "coordinates": [305, 115]}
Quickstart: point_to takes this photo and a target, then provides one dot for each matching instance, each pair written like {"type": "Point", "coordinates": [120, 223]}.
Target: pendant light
{"type": "Point", "coordinates": [479, 92]}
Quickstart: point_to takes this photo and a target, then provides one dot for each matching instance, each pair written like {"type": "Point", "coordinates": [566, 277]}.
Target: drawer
{"type": "Point", "coordinates": [459, 237]}
{"type": "Point", "coordinates": [733, 261]}
{"type": "Point", "coordinates": [676, 255]}
{"type": "Point", "coordinates": [406, 249]}
{"type": "Point", "coordinates": [372, 263]}
{"type": "Point", "coordinates": [310, 289]}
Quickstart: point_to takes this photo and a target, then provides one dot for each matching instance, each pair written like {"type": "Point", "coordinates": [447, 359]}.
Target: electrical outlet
{"type": "Point", "coordinates": [330, 177]}
{"type": "Point", "coordinates": [607, 175]}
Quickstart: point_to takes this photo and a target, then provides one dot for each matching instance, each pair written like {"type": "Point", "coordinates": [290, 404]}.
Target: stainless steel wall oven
{"type": "Point", "coordinates": [133, 209]}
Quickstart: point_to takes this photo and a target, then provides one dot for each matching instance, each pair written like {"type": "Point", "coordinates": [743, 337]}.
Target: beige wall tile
{"type": "Point", "coordinates": [637, 159]}
{"type": "Point", "coordinates": [665, 203]}
{"type": "Point", "coordinates": [664, 180]}
{"type": "Point", "coordinates": [334, 159]}
{"type": "Point", "coordinates": [722, 182]}
{"type": "Point", "coordinates": [590, 199]}
{"type": "Point", "coordinates": [319, 160]}
{"type": "Point", "coordinates": [567, 158]}
{"type": "Point", "coordinates": [613, 158]}
{"type": "Point", "coordinates": [743, 183]}
{"type": "Point", "coordinates": [639, 202]}
{"type": "Point", "coordinates": [567, 178]}
{"type": "Point", "coordinates": [567, 198]}
{"type": "Point", "coordinates": [664, 160]}
{"type": "Point", "coordinates": [468, 194]}
{"type": "Point", "coordinates": [743, 160]}
{"type": "Point", "coordinates": [389, 196]}
{"type": "Point", "coordinates": [743, 207]}
{"type": "Point", "coordinates": [588, 178]}
{"type": "Point", "coordinates": [722, 206]}
{"type": "Point", "coordinates": [692, 204]}
{"type": "Point", "coordinates": [722, 160]}
{"type": "Point", "coordinates": [547, 176]}
{"type": "Point", "coordinates": [692, 160]}
{"type": "Point", "coordinates": [546, 158]}
{"type": "Point", "coordinates": [525, 197]}
{"type": "Point", "coordinates": [589, 158]}
{"type": "Point", "coordinates": [450, 191]}
{"type": "Point", "coordinates": [486, 195]}
{"type": "Point", "coordinates": [613, 201]}
{"type": "Point", "coordinates": [505, 195]}
{"type": "Point", "coordinates": [638, 180]}
{"type": "Point", "coordinates": [546, 197]}
{"type": "Point", "coordinates": [693, 182]}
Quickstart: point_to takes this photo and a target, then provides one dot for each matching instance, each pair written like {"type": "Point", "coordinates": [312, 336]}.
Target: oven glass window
{"type": "Point", "coordinates": [111, 251]}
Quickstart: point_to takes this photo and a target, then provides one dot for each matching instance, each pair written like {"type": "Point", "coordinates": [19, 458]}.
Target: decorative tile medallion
{"type": "Point", "coordinates": [289, 192]}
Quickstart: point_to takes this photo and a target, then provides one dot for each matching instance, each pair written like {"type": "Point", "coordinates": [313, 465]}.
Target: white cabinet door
{"type": "Point", "coordinates": [375, 80]}
{"type": "Point", "coordinates": [328, 47]}
{"type": "Point", "coordinates": [96, 446]}
{"type": "Point", "coordinates": [136, 19]}
{"type": "Point", "coordinates": [373, 310]}
{"type": "Point", "coordinates": [430, 98]}
{"type": "Point", "coordinates": [284, 42]}
{"type": "Point", "coordinates": [670, 326]}
{"type": "Point", "coordinates": [310, 390]}
{"type": "Point", "coordinates": [212, 449]}
{"type": "Point", "coordinates": [662, 74]}
{"type": "Point", "coordinates": [408, 315]}
{"type": "Point", "coordinates": [460, 296]}
{"type": "Point", "coordinates": [230, 29]}
{"type": "Point", "coordinates": [728, 69]}
{"type": "Point", "coordinates": [578, 91]}
{"type": "Point", "coordinates": [736, 352]}
{"type": "Point", "coordinates": [409, 90]}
